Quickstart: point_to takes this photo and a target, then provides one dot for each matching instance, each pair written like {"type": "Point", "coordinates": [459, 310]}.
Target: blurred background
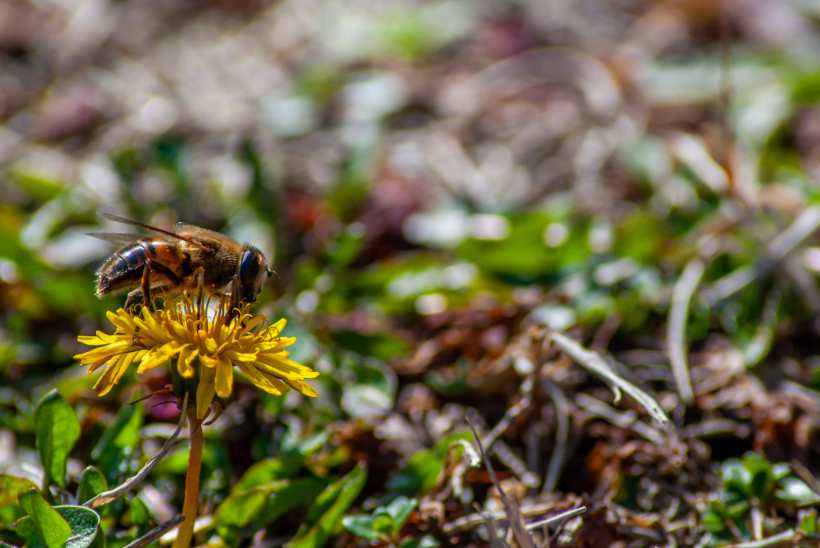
{"type": "Point", "coordinates": [431, 181]}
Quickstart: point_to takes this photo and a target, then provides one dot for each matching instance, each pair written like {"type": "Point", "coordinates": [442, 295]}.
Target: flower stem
{"type": "Point", "coordinates": [191, 505]}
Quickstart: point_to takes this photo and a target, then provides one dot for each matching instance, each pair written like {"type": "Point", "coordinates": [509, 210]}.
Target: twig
{"type": "Point", "coordinates": [804, 282]}
{"type": "Point", "coordinates": [515, 464]}
{"type": "Point", "coordinates": [624, 419]}
{"type": "Point", "coordinates": [558, 517]}
{"type": "Point", "coordinates": [802, 227]}
{"type": "Point", "coordinates": [561, 434]}
{"type": "Point", "coordinates": [726, 94]}
{"type": "Point", "coordinates": [676, 326]}
{"type": "Point", "coordinates": [510, 507]}
{"type": "Point", "coordinates": [605, 333]}
{"type": "Point", "coordinates": [495, 540]}
{"type": "Point", "coordinates": [595, 363]}
{"type": "Point", "coordinates": [512, 413]}
{"type": "Point", "coordinates": [712, 427]}
{"type": "Point", "coordinates": [154, 534]}
{"type": "Point", "coordinates": [473, 520]}
{"type": "Point", "coordinates": [704, 540]}
{"type": "Point", "coordinates": [127, 485]}
{"type": "Point", "coordinates": [760, 344]}
{"type": "Point", "coordinates": [785, 536]}
{"type": "Point", "coordinates": [803, 473]}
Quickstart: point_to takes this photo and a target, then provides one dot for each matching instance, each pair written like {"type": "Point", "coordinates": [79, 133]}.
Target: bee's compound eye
{"type": "Point", "coordinates": [249, 269]}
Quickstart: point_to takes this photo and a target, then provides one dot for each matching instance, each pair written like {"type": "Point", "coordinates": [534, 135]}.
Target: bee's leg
{"type": "Point", "coordinates": [234, 297]}
{"type": "Point", "coordinates": [157, 268]}
{"type": "Point", "coordinates": [146, 284]}
{"type": "Point", "coordinates": [200, 298]}
{"type": "Point", "coordinates": [133, 297]}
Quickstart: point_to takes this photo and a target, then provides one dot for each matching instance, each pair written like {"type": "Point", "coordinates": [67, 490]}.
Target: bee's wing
{"type": "Point", "coordinates": [119, 238]}
{"type": "Point", "coordinates": [153, 229]}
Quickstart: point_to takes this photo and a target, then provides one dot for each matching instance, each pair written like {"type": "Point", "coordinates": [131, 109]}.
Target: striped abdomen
{"type": "Point", "coordinates": [123, 271]}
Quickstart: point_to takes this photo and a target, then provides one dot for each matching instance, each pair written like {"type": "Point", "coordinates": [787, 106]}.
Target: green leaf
{"type": "Point", "coordinates": [140, 515]}
{"type": "Point", "coordinates": [794, 489]}
{"type": "Point", "coordinates": [268, 471]}
{"type": "Point", "coordinates": [50, 528]}
{"type": "Point", "coordinates": [264, 505]}
{"type": "Point", "coordinates": [346, 491]}
{"type": "Point", "coordinates": [57, 431]}
{"type": "Point", "coordinates": [240, 509]}
{"type": "Point", "coordinates": [712, 521]}
{"type": "Point", "coordinates": [807, 518]}
{"type": "Point", "coordinates": [400, 509]}
{"type": "Point", "coordinates": [422, 470]}
{"type": "Point", "coordinates": [82, 523]}
{"type": "Point", "coordinates": [373, 393]}
{"type": "Point", "coordinates": [382, 346]}
{"type": "Point", "coordinates": [736, 476]}
{"type": "Point", "coordinates": [298, 494]}
{"type": "Point", "coordinates": [382, 522]}
{"type": "Point", "coordinates": [362, 525]}
{"type": "Point", "coordinates": [762, 475]}
{"type": "Point", "coordinates": [92, 483]}
{"type": "Point", "coordinates": [450, 383]}
{"type": "Point", "coordinates": [11, 487]}
{"type": "Point", "coordinates": [123, 432]}
{"type": "Point", "coordinates": [427, 541]}
{"type": "Point", "coordinates": [781, 470]}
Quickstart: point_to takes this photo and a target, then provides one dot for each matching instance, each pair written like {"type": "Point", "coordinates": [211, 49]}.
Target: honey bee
{"type": "Point", "coordinates": [188, 259]}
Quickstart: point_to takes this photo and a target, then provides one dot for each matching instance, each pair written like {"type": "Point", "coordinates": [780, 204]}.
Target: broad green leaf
{"type": "Point", "coordinates": [373, 393]}
{"type": "Point", "coordinates": [736, 476]}
{"type": "Point", "coordinates": [123, 432]}
{"type": "Point", "coordinates": [427, 541]}
{"type": "Point", "coordinates": [264, 505]}
{"type": "Point", "coordinates": [92, 483]}
{"type": "Point", "coordinates": [382, 346]}
{"type": "Point", "coordinates": [345, 490]}
{"type": "Point", "coordinates": [794, 489]}
{"type": "Point", "coordinates": [738, 509]}
{"type": "Point", "coordinates": [400, 509]}
{"type": "Point", "coordinates": [57, 431]}
{"type": "Point", "coordinates": [240, 509]}
{"type": "Point", "coordinates": [50, 528]}
{"type": "Point", "coordinates": [83, 525]}
{"type": "Point", "coordinates": [382, 522]}
{"type": "Point", "coordinates": [422, 471]}
{"type": "Point", "coordinates": [451, 383]}
{"type": "Point", "coordinates": [712, 521]}
{"type": "Point", "coordinates": [781, 470]}
{"type": "Point", "coordinates": [269, 470]}
{"type": "Point", "coordinates": [762, 475]}
{"type": "Point", "coordinates": [11, 487]}
{"type": "Point", "coordinates": [140, 515]}
{"type": "Point", "coordinates": [362, 525]}
{"type": "Point", "coordinates": [297, 494]}
{"type": "Point", "coordinates": [807, 518]}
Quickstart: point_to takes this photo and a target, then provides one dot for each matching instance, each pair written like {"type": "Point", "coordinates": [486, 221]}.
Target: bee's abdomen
{"type": "Point", "coordinates": [124, 269]}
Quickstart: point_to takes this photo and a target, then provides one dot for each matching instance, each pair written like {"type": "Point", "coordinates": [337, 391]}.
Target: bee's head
{"type": "Point", "coordinates": [253, 269]}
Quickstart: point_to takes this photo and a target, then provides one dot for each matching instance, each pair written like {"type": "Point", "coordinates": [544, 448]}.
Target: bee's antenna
{"type": "Point", "coordinates": [273, 272]}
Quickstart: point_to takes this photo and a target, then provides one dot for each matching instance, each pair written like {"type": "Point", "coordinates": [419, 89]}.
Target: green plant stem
{"type": "Point", "coordinates": [191, 505]}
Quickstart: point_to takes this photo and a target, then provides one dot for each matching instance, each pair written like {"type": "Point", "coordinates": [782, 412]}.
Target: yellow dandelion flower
{"type": "Point", "coordinates": [215, 345]}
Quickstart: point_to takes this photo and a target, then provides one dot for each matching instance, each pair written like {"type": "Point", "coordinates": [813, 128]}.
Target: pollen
{"type": "Point", "coordinates": [214, 343]}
